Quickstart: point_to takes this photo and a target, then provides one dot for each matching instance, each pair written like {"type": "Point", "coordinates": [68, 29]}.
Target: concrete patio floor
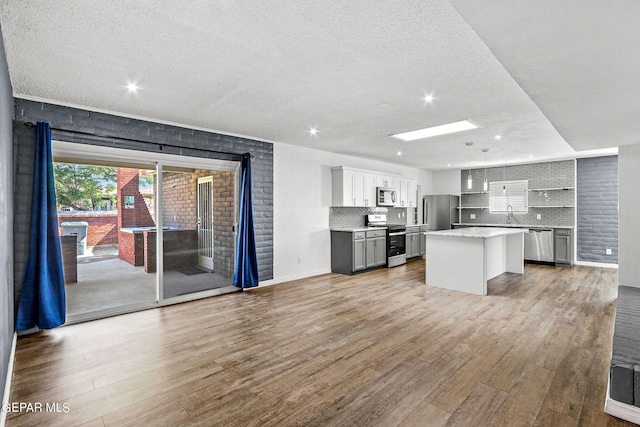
{"type": "Point", "coordinates": [107, 282]}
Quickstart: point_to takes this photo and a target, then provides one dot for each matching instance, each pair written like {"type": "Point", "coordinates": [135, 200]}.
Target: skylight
{"type": "Point", "coordinates": [435, 131]}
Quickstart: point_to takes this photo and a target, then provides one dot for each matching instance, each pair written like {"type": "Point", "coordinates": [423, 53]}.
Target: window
{"type": "Point", "coordinates": [503, 194]}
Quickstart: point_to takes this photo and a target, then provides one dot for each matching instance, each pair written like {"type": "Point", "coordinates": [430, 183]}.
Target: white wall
{"type": "Point", "coordinates": [301, 201]}
{"type": "Point", "coordinates": [628, 221]}
{"type": "Point", "coordinates": [446, 182]}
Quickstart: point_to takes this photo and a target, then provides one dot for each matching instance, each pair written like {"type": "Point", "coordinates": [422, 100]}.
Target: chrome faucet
{"type": "Point", "coordinates": [509, 213]}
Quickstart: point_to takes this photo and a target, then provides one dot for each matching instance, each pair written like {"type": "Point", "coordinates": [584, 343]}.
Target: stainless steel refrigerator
{"type": "Point", "coordinates": [440, 211]}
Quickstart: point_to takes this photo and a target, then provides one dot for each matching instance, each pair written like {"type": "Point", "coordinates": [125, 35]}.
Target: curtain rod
{"type": "Point", "coordinates": [160, 145]}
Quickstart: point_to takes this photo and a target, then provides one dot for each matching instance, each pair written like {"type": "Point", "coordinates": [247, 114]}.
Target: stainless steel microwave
{"type": "Point", "coordinates": [386, 196]}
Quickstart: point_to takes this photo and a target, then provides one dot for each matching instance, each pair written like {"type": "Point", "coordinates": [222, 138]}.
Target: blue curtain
{"type": "Point", "coordinates": [42, 301]}
{"type": "Point", "coordinates": [246, 272]}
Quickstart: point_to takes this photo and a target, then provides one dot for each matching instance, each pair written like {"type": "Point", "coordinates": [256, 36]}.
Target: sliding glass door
{"type": "Point", "coordinates": [199, 215]}
{"type": "Point", "coordinates": [141, 233]}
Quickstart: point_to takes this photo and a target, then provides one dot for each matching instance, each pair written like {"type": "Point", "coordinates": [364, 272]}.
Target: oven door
{"type": "Point", "coordinates": [396, 244]}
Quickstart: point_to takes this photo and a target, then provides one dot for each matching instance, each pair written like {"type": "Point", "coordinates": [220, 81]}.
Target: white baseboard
{"type": "Point", "coordinates": [595, 264]}
{"type": "Point", "coordinates": [7, 384]}
{"type": "Point", "coordinates": [621, 410]}
{"type": "Point", "coordinates": [294, 277]}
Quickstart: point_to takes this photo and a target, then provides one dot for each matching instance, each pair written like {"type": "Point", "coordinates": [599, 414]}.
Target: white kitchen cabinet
{"type": "Point", "coordinates": [402, 192]}
{"type": "Point", "coordinates": [365, 188]}
{"type": "Point", "coordinates": [357, 188]}
{"type": "Point", "coordinates": [343, 185]}
{"type": "Point", "coordinates": [407, 193]}
{"type": "Point", "coordinates": [411, 193]}
{"type": "Point", "coordinates": [386, 181]}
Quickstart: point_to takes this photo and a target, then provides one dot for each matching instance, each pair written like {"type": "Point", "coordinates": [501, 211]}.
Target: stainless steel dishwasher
{"type": "Point", "coordinates": [538, 245]}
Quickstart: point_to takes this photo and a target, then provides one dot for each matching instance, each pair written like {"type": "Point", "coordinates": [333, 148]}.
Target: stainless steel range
{"type": "Point", "coordinates": [396, 238]}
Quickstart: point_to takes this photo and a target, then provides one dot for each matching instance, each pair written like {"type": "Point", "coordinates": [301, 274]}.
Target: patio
{"type": "Point", "coordinates": [107, 282]}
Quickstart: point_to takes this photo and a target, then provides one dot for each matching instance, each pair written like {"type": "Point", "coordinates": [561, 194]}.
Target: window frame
{"type": "Point", "coordinates": [498, 203]}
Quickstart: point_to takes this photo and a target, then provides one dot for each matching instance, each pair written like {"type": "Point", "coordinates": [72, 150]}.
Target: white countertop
{"type": "Point", "coordinates": [476, 232]}
{"type": "Point", "coordinates": [475, 224]}
{"type": "Point", "coordinates": [360, 228]}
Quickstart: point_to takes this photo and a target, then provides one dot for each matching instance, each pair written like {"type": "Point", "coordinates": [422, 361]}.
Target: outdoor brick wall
{"type": "Point", "coordinates": [181, 210]}
{"type": "Point", "coordinates": [149, 240]}
{"type": "Point", "coordinates": [597, 193]}
{"type": "Point", "coordinates": [131, 248]}
{"type": "Point", "coordinates": [108, 130]}
{"type": "Point", "coordinates": [103, 227]}
{"type": "Point", "coordinates": [223, 220]}
{"type": "Point", "coordinates": [180, 249]}
{"type": "Point", "coordinates": [129, 185]}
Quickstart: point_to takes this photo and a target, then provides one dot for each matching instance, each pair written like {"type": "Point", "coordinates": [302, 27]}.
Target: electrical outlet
{"type": "Point", "coordinates": [539, 216]}
{"type": "Point", "coordinates": [608, 251]}
{"type": "Point", "coordinates": [472, 216]}
{"type": "Point", "coordinates": [398, 214]}
{"type": "Point", "coordinates": [402, 214]}
{"type": "Point", "coordinates": [299, 260]}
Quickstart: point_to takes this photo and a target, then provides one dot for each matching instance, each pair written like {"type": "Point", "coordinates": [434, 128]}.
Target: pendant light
{"type": "Point", "coordinates": [469, 179]}
{"type": "Point", "coordinates": [504, 187]}
{"type": "Point", "coordinates": [485, 186]}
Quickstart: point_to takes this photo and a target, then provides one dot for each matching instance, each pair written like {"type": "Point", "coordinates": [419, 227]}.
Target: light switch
{"type": "Point", "coordinates": [539, 216]}
{"type": "Point", "coordinates": [472, 216]}
{"type": "Point", "coordinates": [608, 251]}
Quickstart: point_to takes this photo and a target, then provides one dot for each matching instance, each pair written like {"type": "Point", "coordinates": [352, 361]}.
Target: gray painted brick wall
{"type": "Point", "coordinates": [597, 204]}
{"type": "Point", "coordinates": [92, 128]}
{"type": "Point", "coordinates": [540, 175]}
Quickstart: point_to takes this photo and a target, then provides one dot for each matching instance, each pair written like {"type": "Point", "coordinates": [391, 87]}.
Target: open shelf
{"type": "Point", "coordinates": [473, 207]}
{"type": "Point", "coordinates": [555, 206]}
{"type": "Point", "coordinates": [464, 193]}
{"type": "Point", "coordinates": [552, 189]}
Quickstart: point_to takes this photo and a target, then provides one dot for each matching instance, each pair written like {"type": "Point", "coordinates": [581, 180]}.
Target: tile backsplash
{"type": "Point", "coordinates": [542, 177]}
{"type": "Point", "coordinates": [354, 217]}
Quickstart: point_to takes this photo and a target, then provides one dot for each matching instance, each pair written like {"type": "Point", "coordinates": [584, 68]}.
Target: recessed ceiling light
{"type": "Point", "coordinates": [399, 153]}
{"type": "Point", "coordinates": [435, 131]}
{"type": "Point", "coordinates": [498, 137]}
{"type": "Point", "coordinates": [428, 98]}
{"type": "Point", "coordinates": [313, 131]}
{"type": "Point", "coordinates": [448, 165]}
{"type": "Point", "coordinates": [132, 87]}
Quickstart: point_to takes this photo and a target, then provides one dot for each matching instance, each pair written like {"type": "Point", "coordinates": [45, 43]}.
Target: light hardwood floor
{"type": "Point", "coordinates": [375, 349]}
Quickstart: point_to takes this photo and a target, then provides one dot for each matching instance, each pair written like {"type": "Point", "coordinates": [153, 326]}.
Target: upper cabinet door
{"type": "Point", "coordinates": [403, 189]}
{"type": "Point", "coordinates": [386, 181]}
{"type": "Point", "coordinates": [411, 193]}
{"type": "Point", "coordinates": [343, 184]}
{"type": "Point", "coordinates": [360, 193]}
{"type": "Point", "coordinates": [370, 189]}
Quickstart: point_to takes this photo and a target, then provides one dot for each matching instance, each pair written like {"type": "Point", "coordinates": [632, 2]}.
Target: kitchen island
{"type": "Point", "coordinates": [465, 259]}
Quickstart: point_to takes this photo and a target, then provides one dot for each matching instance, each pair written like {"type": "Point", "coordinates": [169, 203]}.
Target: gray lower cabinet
{"type": "Point", "coordinates": [356, 251]}
{"type": "Point", "coordinates": [359, 255]}
{"type": "Point", "coordinates": [376, 251]}
{"type": "Point", "coordinates": [414, 245]}
{"type": "Point", "coordinates": [563, 246]}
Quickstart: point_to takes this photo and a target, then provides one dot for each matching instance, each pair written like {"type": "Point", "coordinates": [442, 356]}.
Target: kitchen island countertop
{"type": "Point", "coordinates": [476, 232]}
{"type": "Point", "coordinates": [474, 224]}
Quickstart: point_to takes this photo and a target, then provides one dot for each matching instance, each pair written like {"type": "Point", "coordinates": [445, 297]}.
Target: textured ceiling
{"type": "Point", "coordinates": [271, 70]}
